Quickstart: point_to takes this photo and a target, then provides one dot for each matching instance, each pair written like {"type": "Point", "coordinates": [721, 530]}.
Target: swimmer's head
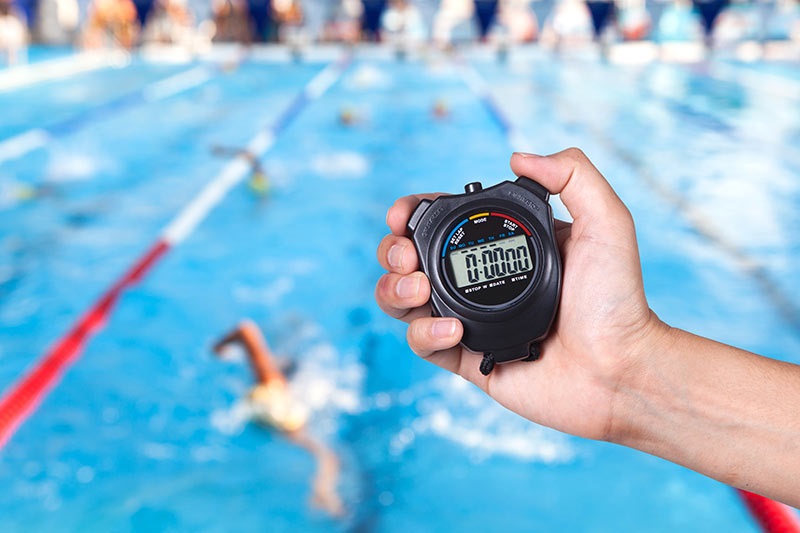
{"type": "Point", "coordinates": [25, 193]}
{"type": "Point", "coordinates": [347, 116]}
{"type": "Point", "coordinates": [259, 184]}
{"type": "Point", "coordinates": [440, 109]}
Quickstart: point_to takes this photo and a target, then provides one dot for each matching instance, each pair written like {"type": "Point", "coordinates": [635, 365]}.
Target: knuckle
{"type": "Point", "coordinates": [415, 335]}
{"type": "Point", "coordinates": [576, 155]}
{"type": "Point", "coordinates": [383, 289]}
{"type": "Point", "coordinates": [382, 249]}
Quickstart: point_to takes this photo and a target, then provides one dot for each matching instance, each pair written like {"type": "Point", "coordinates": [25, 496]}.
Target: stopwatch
{"type": "Point", "coordinates": [492, 259]}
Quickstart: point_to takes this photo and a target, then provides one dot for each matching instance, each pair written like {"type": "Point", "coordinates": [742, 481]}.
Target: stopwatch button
{"type": "Point", "coordinates": [417, 214]}
{"type": "Point", "coordinates": [534, 187]}
{"type": "Point", "coordinates": [475, 186]}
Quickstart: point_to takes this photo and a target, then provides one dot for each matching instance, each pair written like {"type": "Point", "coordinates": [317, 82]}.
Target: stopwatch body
{"type": "Point", "coordinates": [492, 259]}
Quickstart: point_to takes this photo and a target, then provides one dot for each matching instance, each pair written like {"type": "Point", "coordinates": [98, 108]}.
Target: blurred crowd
{"type": "Point", "coordinates": [130, 23]}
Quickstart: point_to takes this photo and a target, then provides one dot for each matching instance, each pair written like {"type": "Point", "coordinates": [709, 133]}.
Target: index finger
{"type": "Point", "coordinates": [398, 215]}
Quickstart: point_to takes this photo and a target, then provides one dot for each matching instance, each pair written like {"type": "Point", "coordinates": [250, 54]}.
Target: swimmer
{"type": "Point", "coordinates": [26, 193]}
{"type": "Point", "coordinates": [440, 109]}
{"type": "Point", "coordinates": [259, 181]}
{"type": "Point", "coordinates": [274, 407]}
{"type": "Point", "coordinates": [14, 193]}
{"type": "Point", "coordinates": [13, 35]}
{"type": "Point", "coordinates": [111, 23]}
{"type": "Point", "coordinates": [348, 117]}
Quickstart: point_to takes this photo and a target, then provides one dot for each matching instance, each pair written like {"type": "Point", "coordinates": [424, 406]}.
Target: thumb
{"type": "Point", "coordinates": [583, 190]}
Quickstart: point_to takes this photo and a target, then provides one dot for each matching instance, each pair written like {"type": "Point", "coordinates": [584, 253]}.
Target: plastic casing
{"type": "Point", "coordinates": [505, 331]}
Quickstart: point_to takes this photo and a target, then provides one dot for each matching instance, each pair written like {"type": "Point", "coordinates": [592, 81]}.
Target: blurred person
{"type": "Point", "coordinates": [111, 23]}
{"type": "Point", "coordinates": [518, 20]}
{"type": "Point", "coordinates": [261, 20]}
{"type": "Point", "coordinates": [13, 35]}
{"type": "Point", "coordinates": [450, 15]}
{"type": "Point", "coordinates": [485, 13]}
{"type": "Point", "coordinates": [739, 29]}
{"type": "Point", "coordinates": [169, 22]}
{"type": "Point", "coordinates": [289, 20]}
{"type": "Point", "coordinates": [569, 23]}
{"type": "Point", "coordinates": [678, 22]}
{"type": "Point", "coordinates": [402, 22]}
{"type": "Point", "coordinates": [602, 14]}
{"type": "Point", "coordinates": [259, 182]}
{"type": "Point", "coordinates": [780, 31]}
{"type": "Point", "coordinates": [350, 116]}
{"type": "Point", "coordinates": [269, 19]}
{"type": "Point", "coordinates": [58, 22]}
{"type": "Point", "coordinates": [783, 24]}
{"type": "Point", "coordinates": [709, 11]}
{"type": "Point", "coordinates": [343, 23]}
{"type": "Point", "coordinates": [610, 369]}
{"type": "Point", "coordinates": [143, 10]}
{"type": "Point", "coordinates": [232, 22]}
{"type": "Point", "coordinates": [274, 406]}
{"type": "Point", "coordinates": [440, 110]}
{"type": "Point", "coordinates": [371, 19]}
{"type": "Point", "coordinates": [633, 20]}
{"type": "Point", "coordinates": [13, 193]}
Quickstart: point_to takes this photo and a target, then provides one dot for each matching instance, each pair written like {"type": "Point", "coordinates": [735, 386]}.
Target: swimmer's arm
{"type": "Point", "coordinates": [326, 477]}
{"type": "Point", "coordinates": [724, 412]}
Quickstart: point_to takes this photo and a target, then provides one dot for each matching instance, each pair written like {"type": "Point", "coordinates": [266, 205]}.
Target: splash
{"type": "Point", "coordinates": [455, 410]}
{"type": "Point", "coordinates": [341, 165]}
{"type": "Point", "coordinates": [327, 382]}
{"type": "Point", "coordinates": [232, 421]}
{"type": "Point", "coordinates": [66, 167]}
{"type": "Point", "coordinates": [368, 77]}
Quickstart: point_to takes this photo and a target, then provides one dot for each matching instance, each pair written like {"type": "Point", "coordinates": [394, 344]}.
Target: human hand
{"type": "Point", "coordinates": [604, 325]}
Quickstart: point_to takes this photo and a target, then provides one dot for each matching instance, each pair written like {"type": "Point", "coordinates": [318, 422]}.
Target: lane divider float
{"type": "Point", "coordinates": [25, 395]}
{"type": "Point", "coordinates": [24, 75]}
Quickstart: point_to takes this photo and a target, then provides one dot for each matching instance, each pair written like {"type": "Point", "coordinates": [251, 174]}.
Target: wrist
{"type": "Point", "coordinates": [654, 341]}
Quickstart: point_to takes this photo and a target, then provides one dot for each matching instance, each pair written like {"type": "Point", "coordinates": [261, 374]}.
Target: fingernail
{"type": "Point", "coordinates": [396, 256]}
{"type": "Point", "coordinates": [444, 329]}
{"type": "Point", "coordinates": [408, 287]}
{"type": "Point", "coordinates": [525, 154]}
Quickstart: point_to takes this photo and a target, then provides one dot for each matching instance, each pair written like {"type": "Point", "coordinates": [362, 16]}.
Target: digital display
{"type": "Point", "coordinates": [491, 261]}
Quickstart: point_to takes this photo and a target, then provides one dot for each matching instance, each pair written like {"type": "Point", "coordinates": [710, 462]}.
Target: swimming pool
{"type": "Point", "coordinates": [143, 432]}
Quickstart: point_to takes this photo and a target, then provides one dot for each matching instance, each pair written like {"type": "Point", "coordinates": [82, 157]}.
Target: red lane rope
{"type": "Point", "coordinates": [773, 517]}
{"type": "Point", "coordinates": [29, 392]}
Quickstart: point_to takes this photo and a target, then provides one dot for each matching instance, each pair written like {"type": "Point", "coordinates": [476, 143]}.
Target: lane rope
{"type": "Point", "coordinates": [33, 139]}
{"type": "Point", "coordinates": [24, 75]}
{"type": "Point", "coordinates": [21, 399]}
{"type": "Point", "coordinates": [771, 516]}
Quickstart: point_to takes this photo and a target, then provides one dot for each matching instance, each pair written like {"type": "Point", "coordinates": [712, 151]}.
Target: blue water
{"type": "Point", "coordinates": [143, 433]}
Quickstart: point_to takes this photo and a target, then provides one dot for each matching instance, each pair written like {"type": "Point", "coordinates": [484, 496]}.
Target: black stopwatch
{"type": "Point", "coordinates": [492, 260]}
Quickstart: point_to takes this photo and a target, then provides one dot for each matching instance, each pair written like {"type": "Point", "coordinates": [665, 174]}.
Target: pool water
{"type": "Point", "coordinates": [145, 432]}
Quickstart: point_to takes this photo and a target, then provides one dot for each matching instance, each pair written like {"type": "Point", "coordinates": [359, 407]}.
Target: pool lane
{"type": "Point", "coordinates": [143, 432]}
{"type": "Point", "coordinates": [44, 104]}
{"type": "Point", "coordinates": [712, 200]}
{"type": "Point", "coordinates": [249, 262]}
{"type": "Point", "coordinates": [115, 184]}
